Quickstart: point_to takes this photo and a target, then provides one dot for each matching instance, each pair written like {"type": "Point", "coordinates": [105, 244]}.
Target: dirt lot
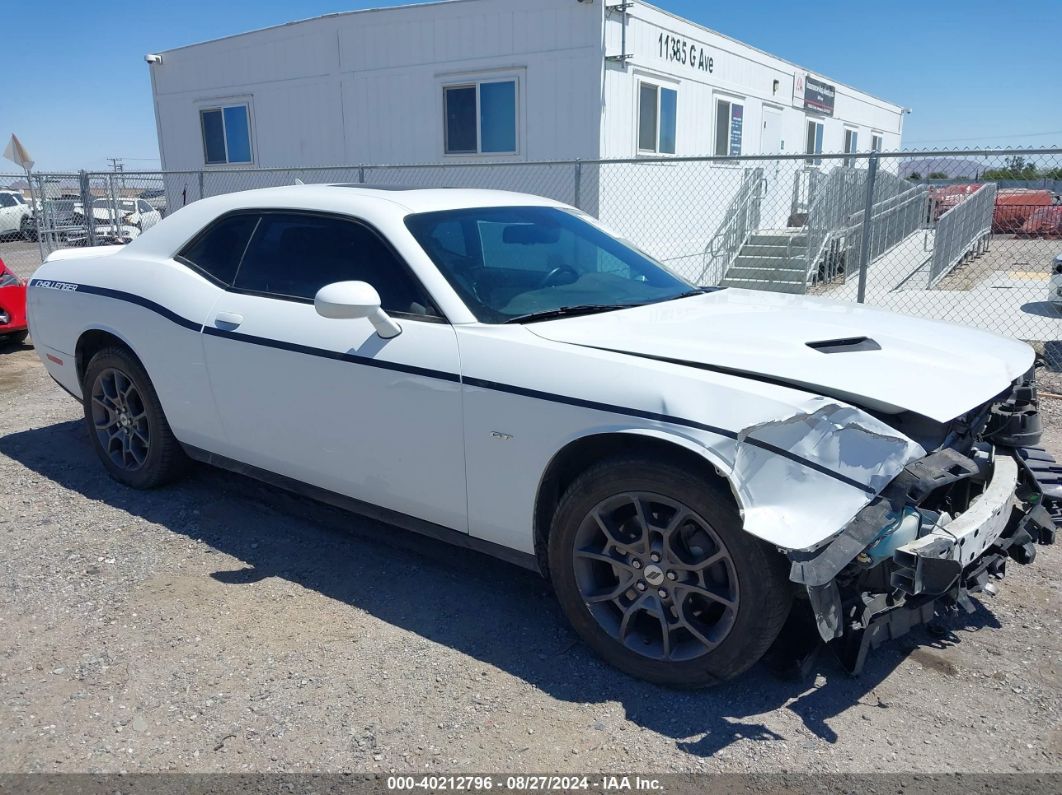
{"type": "Point", "coordinates": [218, 626]}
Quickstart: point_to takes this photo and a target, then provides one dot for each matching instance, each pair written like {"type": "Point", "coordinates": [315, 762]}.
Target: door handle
{"type": "Point", "coordinates": [228, 319]}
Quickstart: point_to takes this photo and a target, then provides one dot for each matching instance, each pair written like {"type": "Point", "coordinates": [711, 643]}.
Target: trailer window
{"type": "Point", "coordinates": [851, 144]}
{"type": "Point", "coordinates": [657, 118]}
{"type": "Point", "coordinates": [813, 145]}
{"type": "Point", "coordinates": [729, 121]}
{"type": "Point", "coordinates": [226, 135]}
{"type": "Point", "coordinates": [480, 118]}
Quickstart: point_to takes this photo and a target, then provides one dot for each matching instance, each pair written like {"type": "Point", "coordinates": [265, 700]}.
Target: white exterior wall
{"type": "Point", "coordinates": [740, 72]}
{"type": "Point", "coordinates": [366, 87]}
{"type": "Point", "coordinates": [673, 224]}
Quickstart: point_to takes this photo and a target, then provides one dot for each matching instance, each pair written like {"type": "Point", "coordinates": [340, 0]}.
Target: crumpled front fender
{"type": "Point", "coordinates": [801, 478]}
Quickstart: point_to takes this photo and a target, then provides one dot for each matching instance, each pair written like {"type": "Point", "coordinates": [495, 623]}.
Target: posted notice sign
{"type": "Point", "coordinates": [812, 94]}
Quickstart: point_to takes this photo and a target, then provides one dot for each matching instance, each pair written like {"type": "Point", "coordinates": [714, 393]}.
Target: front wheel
{"type": "Point", "coordinates": [654, 571]}
{"type": "Point", "coordinates": [126, 424]}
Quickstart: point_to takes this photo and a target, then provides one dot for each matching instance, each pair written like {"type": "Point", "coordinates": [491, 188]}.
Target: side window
{"type": "Point", "coordinates": [226, 135]}
{"type": "Point", "coordinates": [729, 119]}
{"type": "Point", "coordinates": [217, 250]}
{"type": "Point", "coordinates": [813, 143]}
{"type": "Point", "coordinates": [293, 255]}
{"type": "Point", "coordinates": [143, 206]}
{"type": "Point", "coordinates": [851, 144]}
{"type": "Point", "coordinates": [657, 114]}
{"type": "Point", "coordinates": [480, 118]}
{"type": "Point", "coordinates": [6, 200]}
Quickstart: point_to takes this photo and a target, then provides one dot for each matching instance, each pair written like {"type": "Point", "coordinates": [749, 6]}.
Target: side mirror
{"type": "Point", "coordinates": [347, 300]}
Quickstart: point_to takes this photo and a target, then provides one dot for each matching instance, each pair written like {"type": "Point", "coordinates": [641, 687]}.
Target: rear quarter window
{"type": "Point", "coordinates": [217, 250]}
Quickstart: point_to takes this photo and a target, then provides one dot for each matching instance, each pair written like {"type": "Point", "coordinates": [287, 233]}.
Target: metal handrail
{"type": "Point", "coordinates": [835, 214]}
{"type": "Point", "coordinates": [742, 217]}
{"type": "Point", "coordinates": [962, 230]}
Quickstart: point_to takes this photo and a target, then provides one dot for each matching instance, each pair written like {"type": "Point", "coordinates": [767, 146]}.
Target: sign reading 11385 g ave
{"type": "Point", "coordinates": [685, 52]}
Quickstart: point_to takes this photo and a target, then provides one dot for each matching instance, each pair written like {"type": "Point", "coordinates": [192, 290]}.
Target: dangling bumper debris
{"type": "Point", "coordinates": [945, 528]}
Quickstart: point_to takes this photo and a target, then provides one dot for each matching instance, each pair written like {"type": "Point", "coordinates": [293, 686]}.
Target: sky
{"type": "Point", "coordinates": [974, 73]}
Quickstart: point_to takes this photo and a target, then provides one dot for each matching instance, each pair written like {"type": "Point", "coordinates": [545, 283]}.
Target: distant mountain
{"type": "Point", "coordinates": [951, 166]}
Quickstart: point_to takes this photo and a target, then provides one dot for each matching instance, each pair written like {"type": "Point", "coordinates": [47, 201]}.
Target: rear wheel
{"type": "Point", "coordinates": [654, 571]}
{"type": "Point", "coordinates": [125, 420]}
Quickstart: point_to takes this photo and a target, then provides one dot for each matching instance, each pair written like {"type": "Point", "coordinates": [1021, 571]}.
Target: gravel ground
{"type": "Point", "coordinates": [217, 625]}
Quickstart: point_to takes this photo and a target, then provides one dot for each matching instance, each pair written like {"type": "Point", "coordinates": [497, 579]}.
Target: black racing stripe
{"type": "Point", "coordinates": [456, 378]}
{"type": "Point", "coordinates": [770, 448]}
{"type": "Point", "coordinates": [133, 299]}
{"type": "Point", "coordinates": [591, 404]}
{"type": "Point", "coordinates": [711, 368]}
{"type": "Point", "coordinates": [651, 415]}
{"type": "Point", "coordinates": [338, 356]}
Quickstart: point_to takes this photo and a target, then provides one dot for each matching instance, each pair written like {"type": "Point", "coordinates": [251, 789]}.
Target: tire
{"type": "Point", "coordinates": [709, 640]}
{"type": "Point", "coordinates": [14, 339]}
{"type": "Point", "coordinates": [121, 407]}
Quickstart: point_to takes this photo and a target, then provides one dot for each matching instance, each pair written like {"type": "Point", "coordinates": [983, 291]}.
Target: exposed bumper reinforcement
{"type": "Point", "coordinates": [934, 562]}
{"type": "Point", "coordinates": [1018, 508]}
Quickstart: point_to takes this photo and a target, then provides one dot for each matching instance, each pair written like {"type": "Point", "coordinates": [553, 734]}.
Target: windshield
{"type": "Point", "coordinates": [515, 262]}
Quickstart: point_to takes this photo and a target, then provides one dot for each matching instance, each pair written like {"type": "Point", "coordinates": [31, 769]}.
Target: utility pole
{"type": "Point", "coordinates": [115, 215]}
{"type": "Point", "coordinates": [118, 167]}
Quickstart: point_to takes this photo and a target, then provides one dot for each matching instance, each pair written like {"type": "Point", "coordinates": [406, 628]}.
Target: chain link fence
{"type": "Point", "coordinates": [969, 237]}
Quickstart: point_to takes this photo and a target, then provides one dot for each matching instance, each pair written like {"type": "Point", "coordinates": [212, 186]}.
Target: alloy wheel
{"type": "Point", "coordinates": [656, 576]}
{"type": "Point", "coordinates": [120, 419]}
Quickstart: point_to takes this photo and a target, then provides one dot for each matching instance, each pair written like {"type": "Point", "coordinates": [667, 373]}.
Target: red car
{"type": "Point", "coordinates": [12, 307]}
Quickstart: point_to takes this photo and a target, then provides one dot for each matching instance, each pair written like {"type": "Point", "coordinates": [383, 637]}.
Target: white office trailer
{"type": "Point", "coordinates": [510, 81]}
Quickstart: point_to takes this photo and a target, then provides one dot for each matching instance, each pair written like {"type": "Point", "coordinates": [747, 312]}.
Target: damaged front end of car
{"type": "Point", "coordinates": [942, 529]}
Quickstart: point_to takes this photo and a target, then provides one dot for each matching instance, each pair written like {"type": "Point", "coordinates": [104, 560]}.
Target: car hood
{"type": "Point", "coordinates": [877, 360]}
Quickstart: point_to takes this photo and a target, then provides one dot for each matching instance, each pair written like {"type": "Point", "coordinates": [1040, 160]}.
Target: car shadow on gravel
{"type": "Point", "coordinates": [7, 347]}
{"type": "Point", "coordinates": [491, 611]}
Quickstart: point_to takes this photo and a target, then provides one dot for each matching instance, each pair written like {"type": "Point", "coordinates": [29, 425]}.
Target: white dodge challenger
{"type": "Point", "coordinates": [694, 469]}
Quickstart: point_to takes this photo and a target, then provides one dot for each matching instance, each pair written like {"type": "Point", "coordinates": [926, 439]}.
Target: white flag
{"type": "Point", "coordinates": [16, 153]}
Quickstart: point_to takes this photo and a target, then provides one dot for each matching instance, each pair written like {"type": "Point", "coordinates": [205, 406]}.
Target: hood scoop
{"type": "Point", "coordinates": [845, 345]}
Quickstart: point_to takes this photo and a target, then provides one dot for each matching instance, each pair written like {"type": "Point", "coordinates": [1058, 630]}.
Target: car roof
{"type": "Point", "coordinates": [373, 204]}
{"type": "Point", "coordinates": [413, 198]}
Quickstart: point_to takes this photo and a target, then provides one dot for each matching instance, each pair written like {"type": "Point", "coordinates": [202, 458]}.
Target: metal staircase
{"type": "Point", "coordinates": [771, 259]}
{"type": "Point", "coordinates": [825, 247]}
